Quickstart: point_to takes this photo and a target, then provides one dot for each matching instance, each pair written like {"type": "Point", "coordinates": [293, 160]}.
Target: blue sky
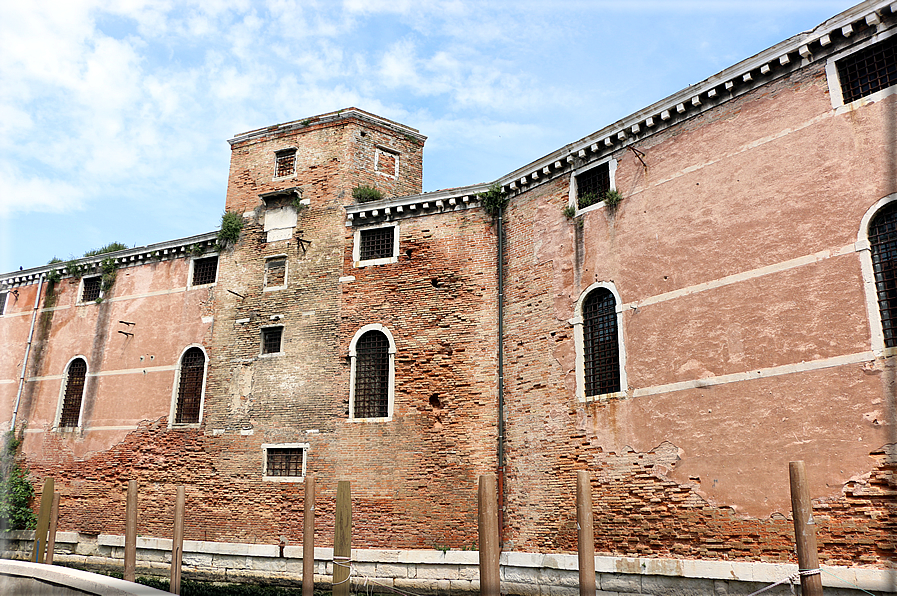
{"type": "Point", "coordinates": [115, 114]}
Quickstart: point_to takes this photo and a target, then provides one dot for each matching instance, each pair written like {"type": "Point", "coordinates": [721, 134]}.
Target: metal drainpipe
{"type": "Point", "coordinates": [15, 411]}
{"type": "Point", "coordinates": [501, 381]}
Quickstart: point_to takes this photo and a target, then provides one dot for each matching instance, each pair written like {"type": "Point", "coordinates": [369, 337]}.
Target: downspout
{"type": "Point", "coordinates": [15, 411]}
{"type": "Point", "coordinates": [501, 380]}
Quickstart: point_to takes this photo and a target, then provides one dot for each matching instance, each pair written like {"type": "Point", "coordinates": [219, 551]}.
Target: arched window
{"type": "Point", "coordinates": [883, 244]}
{"type": "Point", "coordinates": [191, 380]}
{"type": "Point", "coordinates": [600, 358]}
{"type": "Point", "coordinates": [372, 353]}
{"type": "Point", "coordinates": [70, 415]}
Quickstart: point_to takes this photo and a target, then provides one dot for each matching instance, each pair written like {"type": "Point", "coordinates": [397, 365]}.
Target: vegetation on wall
{"type": "Point", "coordinates": [365, 194]}
{"type": "Point", "coordinates": [16, 490]}
{"type": "Point", "coordinates": [611, 198]}
{"type": "Point", "coordinates": [108, 267]}
{"type": "Point", "coordinates": [494, 200]}
{"type": "Point", "coordinates": [569, 211]}
{"type": "Point", "coordinates": [111, 247]}
{"type": "Point", "coordinates": [231, 226]}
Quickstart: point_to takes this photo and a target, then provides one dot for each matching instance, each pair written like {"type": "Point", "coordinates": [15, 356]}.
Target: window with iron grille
{"type": "Point", "coordinates": [285, 461]}
{"type": "Point", "coordinates": [371, 398]}
{"type": "Point", "coordinates": [883, 241]}
{"type": "Point", "coordinates": [91, 289]}
{"type": "Point", "coordinates": [869, 70]}
{"type": "Point", "coordinates": [3, 296]}
{"type": "Point", "coordinates": [271, 337]}
{"type": "Point", "coordinates": [275, 272]}
{"type": "Point", "coordinates": [193, 365]}
{"type": "Point", "coordinates": [592, 185]}
{"type": "Point", "coordinates": [74, 392]}
{"type": "Point", "coordinates": [601, 350]}
{"type": "Point", "coordinates": [377, 243]}
{"type": "Point", "coordinates": [285, 163]}
{"type": "Point", "coordinates": [205, 271]}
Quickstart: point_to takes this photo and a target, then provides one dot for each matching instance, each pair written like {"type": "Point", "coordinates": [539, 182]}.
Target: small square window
{"type": "Point", "coordinates": [869, 70]}
{"type": "Point", "coordinates": [276, 273]}
{"type": "Point", "coordinates": [205, 271]}
{"type": "Point", "coordinates": [91, 289]}
{"type": "Point", "coordinates": [592, 185]}
{"type": "Point", "coordinates": [377, 243]}
{"type": "Point", "coordinates": [285, 163]}
{"type": "Point", "coordinates": [271, 339]}
{"type": "Point", "coordinates": [284, 462]}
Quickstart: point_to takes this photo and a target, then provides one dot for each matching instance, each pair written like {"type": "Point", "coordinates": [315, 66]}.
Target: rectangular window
{"type": "Point", "coordinates": [386, 162]}
{"type": "Point", "coordinates": [91, 289]}
{"type": "Point", "coordinates": [869, 70]}
{"type": "Point", "coordinates": [285, 462]}
{"type": "Point", "coordinates": [285, 163]}
{"type": "Point", "coordinates": [3, 296]}
{"type": "Point", "coordinates": [276, 273]}
{"type": "Point", "coordinates": [205, 271]}
{"type": "Point", "coordinates": [271, 339]}
{"type": "Point", "coordinates": [378, 243]}
{"type": "Point", "coordinates": [592, 185]}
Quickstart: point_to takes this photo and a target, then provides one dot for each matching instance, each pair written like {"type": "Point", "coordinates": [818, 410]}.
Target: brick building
{"type": "Point", "coordinates": [689, 299]}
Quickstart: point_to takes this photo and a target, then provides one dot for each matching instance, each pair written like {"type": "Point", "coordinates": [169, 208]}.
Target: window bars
{"type": "Point", "coordinates": [285, 163]}
{"type": "Point", "coordinates": [868, 70]}
{"type": "Point", "coordinates": [284, 461]}
{"type": "Point", "coordinates": [601, 353]}
{"type": "Point", "coordinates": [883, 241]}
{"type": "Point", "coordinates": [372, 376]}
{"type": "Point", "coordinates": [271, 337]}
{"type": "Point", "coordinates": [190, 386]}
{"type": "Point", "coordinates": [74, 391]}
{"type": "Point", "coordinates": [377, 243]}
{"type": "Point", "coordinates": [205, 271]}
{"type": "Point", "coordinates": [91, 290]}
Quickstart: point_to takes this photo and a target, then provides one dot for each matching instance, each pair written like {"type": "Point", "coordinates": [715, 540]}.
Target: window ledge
{"type": "Point", "coordinates": [604, 397]}
{"type": "Point", "coordinates": [274, 288]}
{"type": "Point", "coordinates": [370, 420]}
{"type": "Point", "coordinates": [370, 262]}
{"type": "Point", "coordinates": [272, 354]}
{"type": "Point", "coordinates": [283, 478]}
{"type": "Point", "coordinates": [185, 425]}
{"type": "Point", "coordinates": [209, 285]}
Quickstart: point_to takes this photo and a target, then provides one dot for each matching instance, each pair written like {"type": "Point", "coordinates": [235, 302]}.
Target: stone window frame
{"type": "Point", "coordinates": [4, 298]}
{"type": "Point", "coordinates": [303, 446]}
{"type": "Point", "coordinates": [282, 153]}
{"type": "Point", "coordinates": [62, 390]}
{"type": "Point", "coordinates": [190, 284]}
{"type": "Point", "coordinates": [864, 247]}
{"type": "Point", "coordinates": [579, 344]}
{"type": "Point", "coordinates": [262, 352]}
{"type": "Point", "coordinates": [356, 246]}
{"type": "Point", "coordinates": [380, 149]}
{"type": "Point", "coordinates": [176, 386]}
{"type": "Point", "coordinates": [286, 273]}
{"type": "Point", "coordinates": [391, 382]}
{"type": "Point", "coordinates": [834, 81]}
{"type": "Point", "coordinates": [84, 280]}
{"type": "Point", "coordinates": [573, 199]}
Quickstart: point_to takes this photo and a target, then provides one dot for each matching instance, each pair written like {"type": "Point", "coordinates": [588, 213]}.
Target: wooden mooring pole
{"type": "Point", "coordinates": [177, 545]}
{"type": "Point", "coordinates": [308, 538]}
{"type": "Point", "coordinates": [43, 522]}
{"type": "Point", "coordinates": [804, 530]}
{"type": "Point", "coordinates": [342, 539]}
{"type": "Point", "coordinates": [490, 579]}
{"type": "Point", "coordinates": [131, 532]}
{"type": "Point", "coordinates": [51, 534]}
{"type": "Point", "coordinates": [585, 525]}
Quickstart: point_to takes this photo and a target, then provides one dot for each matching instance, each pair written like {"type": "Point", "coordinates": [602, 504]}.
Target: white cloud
{"type": "Point", "coordinates": [20, 193]}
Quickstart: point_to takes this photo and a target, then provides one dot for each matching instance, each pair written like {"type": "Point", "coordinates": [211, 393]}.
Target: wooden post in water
{"type": "Point", "coordinates": [43, 521]}
{"type": "Point", "coordinates": [804, 530]}
{"type": "Point", "coordinates": [131, 532]}
{"type": "Point", "coordinates": [488, 536]}
{"type": "Point", "coordinates": [308, 538]}
{"type": "Point", "coordinates": [342, 539]}
{"type": "Point", "coordinates": [177, 545]}
{"type": "Point", "coordinates": [51, 535]}
{"type": "Point", "coordinates": [586, 529]}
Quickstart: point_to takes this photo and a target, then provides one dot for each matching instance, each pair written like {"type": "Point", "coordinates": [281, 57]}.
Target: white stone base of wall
{"type": "Point", "coordinates": [435, 571]}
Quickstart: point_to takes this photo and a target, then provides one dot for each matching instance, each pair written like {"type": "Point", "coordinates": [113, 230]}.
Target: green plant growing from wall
{"type": "Point", "coordinates": [297, 204]}
{"type": "Point", "coordinates": [75, 269]}
{"type": "Point", "coordinates": [54, 260]}
{"type": "Point", "coordinates": [16, 490]}
{"type": "Point", "coordinates": [109, 267]}
{"type": "Point", "coordinates": [494, 200]}
{"type": "Point", "coordinates": [612, 198]}
{"type": "Point", "coordinates": [111, 247]}
{"type": "Point", "coordinates": [196, 250]}
{"type": "Point", "coordinates": [365, 194]}
{"type": "Point", "coordinates": [231, 226]}
{"type": "Point", "coordinates": [569, 211]}
{"type": "Point", "coordinates": [53, 277]}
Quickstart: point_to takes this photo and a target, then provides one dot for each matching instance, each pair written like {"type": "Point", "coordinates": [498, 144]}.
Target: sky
{"type": "Point", "coordinates": [115, 114]}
